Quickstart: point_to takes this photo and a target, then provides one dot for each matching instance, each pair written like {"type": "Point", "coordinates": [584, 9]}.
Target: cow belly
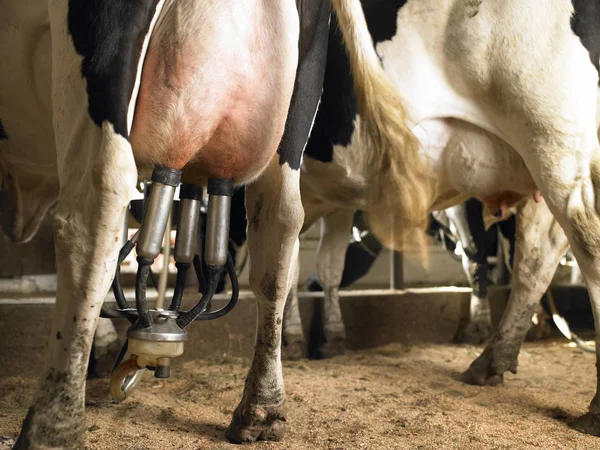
{"type": "Point", "coordinates": [475, 163]}
{"type": "Point", "coordinates": [216, 86]}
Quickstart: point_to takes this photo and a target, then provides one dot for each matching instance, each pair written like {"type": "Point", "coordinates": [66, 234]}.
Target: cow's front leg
{"type": "Point", "coordinates": [540, 243]}
{"type": "Point", "coordinates": [335, 233]}
{"type": "Point", "coordinates": [275, 217]}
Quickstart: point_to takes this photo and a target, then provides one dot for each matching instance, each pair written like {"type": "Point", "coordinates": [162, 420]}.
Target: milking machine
{"type": "Point", "coordinates": [158, 335]}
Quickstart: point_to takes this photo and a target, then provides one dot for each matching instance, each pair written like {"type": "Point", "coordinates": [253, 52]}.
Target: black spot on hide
{"type": "Point", "coordinates": [334, 124]}
{"type": "Point", "coordinates": [585, 23]}
{"type": "Point", "coordinates": [382, 18]}
{"type": "Point", "coordinates": [109, 34]}
{"type": "Point", "coordinates": [314, 18]}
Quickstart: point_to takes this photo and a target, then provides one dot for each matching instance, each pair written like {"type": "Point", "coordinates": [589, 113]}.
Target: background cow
{"type": "Point", "coordinates": [502, 97]}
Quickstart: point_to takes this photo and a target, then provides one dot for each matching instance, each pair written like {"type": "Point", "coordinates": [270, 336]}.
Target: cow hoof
{"type": "Point", "coordinates": [292, 349]}
{"type": "Point", "coordinates": [472, 377]}
{"type": "Point", "coordinates": [257, 423]}
{"type": "Point", "coordinates": [589, 423]}
{"type": "Point", "coordinates": [487, 370]}
{"type": "Point", "coordinates": [475, 333]}
{"type": "Point", "coordinates": [333, 347]}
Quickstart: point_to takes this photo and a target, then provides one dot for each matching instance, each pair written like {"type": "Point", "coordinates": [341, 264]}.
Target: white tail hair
{"type": "Point", "coordinates": [400, 186]}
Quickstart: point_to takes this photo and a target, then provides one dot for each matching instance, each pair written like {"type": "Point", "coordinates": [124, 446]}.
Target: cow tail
{"type": "Point", "coordinates": [400, 185]}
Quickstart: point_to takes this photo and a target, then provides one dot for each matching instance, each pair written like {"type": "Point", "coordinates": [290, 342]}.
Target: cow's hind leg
{"type": "Point", "coordinates": [275, 217]}
{"type": "Point", "coordinates": [552, 119]}
{"type": "Point", "coordinates": [581, 221]}
{"type": "Point", "coordinates": [544, 103]}
{"type": "Point", "coordinates": [97, 175]}
{"type": "Point", "coordinates": [335, 233]}
{"type": "Point", "coordinates": [578, 211]}
{"type": "Point", "coordinates": [96, 185]}
{"type": "Point", "coordinates": [468, 220]}
{"type": "Point", "coordinates": [540, 243]}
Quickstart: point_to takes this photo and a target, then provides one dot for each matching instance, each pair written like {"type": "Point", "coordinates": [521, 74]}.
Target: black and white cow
{"type": "Point", "coordinates": [95, 94]}
{"type": "Point", "coordinates": [502, 97]}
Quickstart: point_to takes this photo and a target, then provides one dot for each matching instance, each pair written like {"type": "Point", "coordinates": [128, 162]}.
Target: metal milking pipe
{"type": "Point", "coordinates": [216, 243]}
{"type": "Point", "coordinates": [164, 182]}
{"type": "Point", "coordinates": [190, 199]}
{"type": "Point", "coordinates": [217, 223]}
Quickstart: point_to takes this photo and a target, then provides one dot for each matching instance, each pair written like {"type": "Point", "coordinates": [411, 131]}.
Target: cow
{"type": "Point", "coordinates": [95, 95]}
{"type": "Point", "coordinates": [502, 97]}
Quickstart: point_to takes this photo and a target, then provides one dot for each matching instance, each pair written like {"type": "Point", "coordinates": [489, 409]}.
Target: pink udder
{"type": "Point", "coordinates": [499, 204]}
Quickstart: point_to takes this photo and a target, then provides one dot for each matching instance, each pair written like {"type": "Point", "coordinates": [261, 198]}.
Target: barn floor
{"type": "Point", "coordinates": [395, 396]}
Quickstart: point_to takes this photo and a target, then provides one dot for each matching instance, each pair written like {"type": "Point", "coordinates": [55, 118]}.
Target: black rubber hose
{"type": "Point", "coordinates": [141, 284]}
{"type": "Point", "coordinates": [117, 287]}
{"type": "Point", "coordinates": [214, 273]}
{"type": "Point", "coordinates": [182, 269]}
{"type": "Point", "coordinates": [109, 313]}
{"type": "Point", "coordinates": [120, 356]}
{"type": "Point", "coordinates": [153, 279]}
{"type": "Point", "coordinates": [202, 283]}
{"type": "Point", "coordinates": [235, 294]}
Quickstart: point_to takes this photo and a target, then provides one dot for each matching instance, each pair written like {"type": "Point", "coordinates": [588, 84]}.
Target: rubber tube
{"type": "Point", "coordinates": [214, 273]}
{"type": "Point", "coordinates": [141, 284]}
{"type": "Point", "coordinates": [182, 269]}
{"type": "Point", "coordinates": [235, 293]}
{"type": "Point", "coordinates": [117, 287]}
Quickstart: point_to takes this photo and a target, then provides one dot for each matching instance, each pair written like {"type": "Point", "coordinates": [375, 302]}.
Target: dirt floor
{"type": "Point", "coordinates": [392, 397]}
